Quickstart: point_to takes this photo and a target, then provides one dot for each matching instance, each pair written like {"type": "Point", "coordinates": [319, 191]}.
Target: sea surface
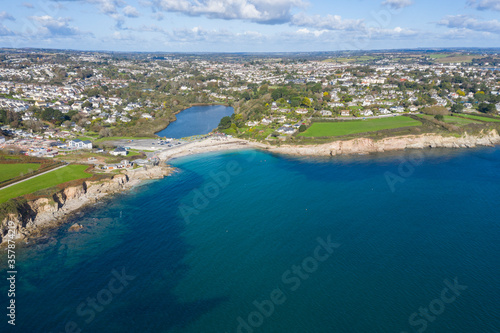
{"type": "Point", "coordinates": [196, 120]}
{"type": "Point", "coordinates": [247, 242]}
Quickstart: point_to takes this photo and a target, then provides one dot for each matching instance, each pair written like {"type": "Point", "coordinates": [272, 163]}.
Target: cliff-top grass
{"type": "Point", "coordinates": [9, 171]}
{"type": "Point", "coordinates": [53, 178]}
{"type": "Point", "coordinates": [487, 119]}
{"type": "Point", "coordinates": [329, 129]}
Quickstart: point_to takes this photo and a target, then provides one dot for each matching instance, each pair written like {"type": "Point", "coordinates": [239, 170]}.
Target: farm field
{"type": "Point", "coordinates": [70, 172]}
{"type": "Point", "coordinates": [453, 120]}
{"type": "Point", "coordinates": [358, 126]}
{"type": "Point", "coordinates": [491, 120]}
{"type": "Point", "coordinates": [9, 171]}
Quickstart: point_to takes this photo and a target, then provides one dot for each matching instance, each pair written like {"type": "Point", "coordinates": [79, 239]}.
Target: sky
{"type": "Point", "coordinates": [248, 25]}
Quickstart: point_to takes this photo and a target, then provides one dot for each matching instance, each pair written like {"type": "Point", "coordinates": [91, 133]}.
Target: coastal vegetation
{"type": "Point", "coordinates": [327, 129]}
{"type": "Point", "coordinates": [50, 179]}
{"type": "Point", "coordinates": [9, 171]}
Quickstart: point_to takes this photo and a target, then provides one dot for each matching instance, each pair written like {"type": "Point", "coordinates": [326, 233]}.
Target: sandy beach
{"type": "Point", "coordinates": [208, 145]}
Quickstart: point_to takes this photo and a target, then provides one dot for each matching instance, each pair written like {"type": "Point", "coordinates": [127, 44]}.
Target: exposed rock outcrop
{"type": "Point", "coordinates": [32, 216]}
{"type": "Point", "coordinates": [364, 145]}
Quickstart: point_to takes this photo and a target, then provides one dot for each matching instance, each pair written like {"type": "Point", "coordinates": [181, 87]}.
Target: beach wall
{"type": "Point", "coordinates": [33, 216]}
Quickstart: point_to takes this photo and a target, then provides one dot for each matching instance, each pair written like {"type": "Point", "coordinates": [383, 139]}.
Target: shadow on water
{"type": "Point", "coordinates": [145, 230]}
{"type": "Point", "coordinates": [327, 169]}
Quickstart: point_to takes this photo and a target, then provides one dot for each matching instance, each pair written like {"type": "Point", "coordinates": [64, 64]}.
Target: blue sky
{"type": "Point", "coordinates": [249, 25]}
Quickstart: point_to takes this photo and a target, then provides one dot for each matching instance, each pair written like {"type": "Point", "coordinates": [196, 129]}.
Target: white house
{"type": "Point", "coordinates": [266, 121]}
{"type": "Point", "coordinates": [252, 123]}
{"type": "Point", "coordinates": [345, 113]}
{"type": "Point", "coordinates": [301, 111]}
{"type": "Point", "coordinates": [2, 139]}
{"type": "Point", "coordinates": [498, 107]}
{"type": "Point", "coordinates": [326, 113]}
{"type": "Point", "coordinates": [119, 151]}
{"type": "Point", "coordinates": [79, 144]}
{"type": "Point", "coordinates": [366, 113]}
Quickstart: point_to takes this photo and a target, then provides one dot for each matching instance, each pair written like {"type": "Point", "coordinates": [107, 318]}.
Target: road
{"type": "Point", "coordinates": [62, 166]}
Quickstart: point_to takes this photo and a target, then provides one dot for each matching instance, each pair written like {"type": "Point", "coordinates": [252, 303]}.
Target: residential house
{"type": "Point", "coordinates": [301, 111]}
{"type": "Point", "coordinates": [119, 151]}
{"type": "Point", "coordinates": [252, 123]}
{"type": "Point", "coordinates": [366, 113]}
{"type": "Point", "coordinates": [345, 113]}
{"type": "Point", "coordinates": [326, 113]}
{"type": "Point", "coordinates": [79, 144]}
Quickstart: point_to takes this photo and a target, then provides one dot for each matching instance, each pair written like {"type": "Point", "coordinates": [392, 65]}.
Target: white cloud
{"type": "Point", "coordinates": [158, 16]}
{"type": "Point", "coordinates": [397, 32]}
{"type": "Point", "coordinates": [315, 33]}
{"type": "Point", "coordinates": [467, 22]}
{"type": "Point", "coordinates": [261, 11]}
{"type": "Point", "coordinates": [28, 5]}
{"type": "Point", "coordinates": [4, 31]}
{"type": "Point", "coordinates": [397, 4]}
{"type": "Point", "coordinates": [330, 22]}
{"type": "Point", "coordinates": [485, 4]}
{"type": "Point", "coordinates": [130, 11]}
{"type": "Point", "coordinates": [54, 27]}
{"type": "Point", "coordinates": [106, 6]}
{"type": "Point", "coordinates": [6, 16]}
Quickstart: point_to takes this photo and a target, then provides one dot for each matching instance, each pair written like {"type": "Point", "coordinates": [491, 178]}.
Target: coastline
{"type": "Point", "coordinates": [46, 213]}
{"type": "Point", "coordinates": [349, 147]}
{"type": "Point", "coordinates": [35, 216]}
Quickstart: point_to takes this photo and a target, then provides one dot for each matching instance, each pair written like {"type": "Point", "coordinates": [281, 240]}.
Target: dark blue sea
{"type": "Point", "coordinates": [252, 242]}
{"type": "Point", "coordinates": [196, 120]}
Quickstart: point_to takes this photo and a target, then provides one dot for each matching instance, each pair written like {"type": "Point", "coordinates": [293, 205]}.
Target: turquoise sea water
{"type": "Point", "coordinates": [209, 248]}
{"type": "Point", "coordinates": [196, 120]}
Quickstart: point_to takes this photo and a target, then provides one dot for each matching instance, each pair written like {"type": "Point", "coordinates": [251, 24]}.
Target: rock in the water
{"type": "Point", "coordinates": [76, 227]}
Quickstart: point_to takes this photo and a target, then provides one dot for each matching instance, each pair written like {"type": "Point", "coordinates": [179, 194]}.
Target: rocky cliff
{"type": "Point", "coordinates": [364, 145]}
{"type": "Point", "coordinates": [33, 216]}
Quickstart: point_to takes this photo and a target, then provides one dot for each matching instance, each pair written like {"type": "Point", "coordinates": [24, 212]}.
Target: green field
{"type": "Point", "coordinates": [53, 178]}
{"type": "Point", "coordinates": [491, 120]}
{"type": "Point", "coordinates": [452, 120]}
{"type": "Point", "coordinates": [458, 121]}
{"type": "Point", "coordinates": [9, 171]}
{"type": "Point", "coordinates": [358, 126]}
{"type": "Point", "coordinates": [439, 55]}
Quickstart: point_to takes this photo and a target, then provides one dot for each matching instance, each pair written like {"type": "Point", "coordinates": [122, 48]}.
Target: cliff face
{"type": "Point", "coordinates": [34, 215]}
{"type": "Point", "coordinates": [364, 145]}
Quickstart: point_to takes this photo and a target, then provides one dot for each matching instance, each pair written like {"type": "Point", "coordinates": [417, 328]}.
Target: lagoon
{"type": "Point", "coordinates": [196, 120]}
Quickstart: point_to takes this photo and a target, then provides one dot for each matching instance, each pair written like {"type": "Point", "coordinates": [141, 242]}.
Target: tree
{"type": "Point", "coordinates": [439, 117]}
{"type": "Point", "coordinates": [307, 102]}
{"type": "Point", "coordinates": [487, 108]}
{"type": "Point", "coordinates": [225, 123]}
{"type": "Point", "coordinates": [480, 96]}
{"type": "Point", "coordinates": [302, 128]}
{"type": "Point", "coordinates": [457, 108]}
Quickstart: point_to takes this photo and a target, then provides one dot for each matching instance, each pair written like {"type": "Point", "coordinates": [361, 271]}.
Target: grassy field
{"type": "Point", "coordinates": [491, 120]}
{"type": "Point", "coordinates": [53, 178]}
{"type": "Point", "coordinates": [453, 57]}
{"type": "Point", "coordinates": [452, 120]}
{"type": "Point", "coordinates": [9, 171]}
{"type": "Point", "coordinates": [439, 55]}
{"type": "Point", "coordinates": [358, 126]}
